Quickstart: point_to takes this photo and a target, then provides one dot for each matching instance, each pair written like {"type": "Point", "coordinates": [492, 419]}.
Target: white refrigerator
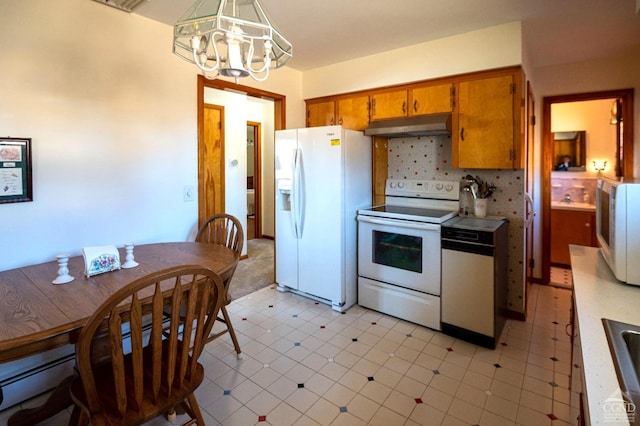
{"type": "Point", "coordinates": [323, 176]}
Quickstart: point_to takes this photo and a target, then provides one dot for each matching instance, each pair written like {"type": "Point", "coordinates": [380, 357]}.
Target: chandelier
{"type": "Point", "coordinates": [233, 38]}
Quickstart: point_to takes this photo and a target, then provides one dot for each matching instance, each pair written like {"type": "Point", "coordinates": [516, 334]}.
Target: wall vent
{"type": "Point", "coordinates": [124, 5]}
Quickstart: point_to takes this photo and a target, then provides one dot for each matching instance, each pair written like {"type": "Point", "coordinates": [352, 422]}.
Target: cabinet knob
{"type": "Point", "coordinates": [404, 107]}
{"type": "Point", "coordinates": [416, 105]}
{"type": "Point", "coordinates": [588, 225]}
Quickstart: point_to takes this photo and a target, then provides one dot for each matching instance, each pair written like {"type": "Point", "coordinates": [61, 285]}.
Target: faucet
{"type": "Point", "coordinates": [567, 198]}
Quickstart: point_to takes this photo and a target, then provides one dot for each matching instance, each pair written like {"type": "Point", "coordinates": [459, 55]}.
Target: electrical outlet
{"type": "Point", "coordinates": [189, 193]}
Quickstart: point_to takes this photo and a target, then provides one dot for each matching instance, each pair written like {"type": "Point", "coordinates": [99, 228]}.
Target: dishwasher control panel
{"type": "Point", "coordinates": [467, 235]}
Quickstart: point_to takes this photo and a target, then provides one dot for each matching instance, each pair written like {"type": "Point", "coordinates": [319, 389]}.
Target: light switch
{"type": "Point", "coordinates": [189, 193]}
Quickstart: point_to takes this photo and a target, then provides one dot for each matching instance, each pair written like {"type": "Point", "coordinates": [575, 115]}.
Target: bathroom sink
{"type": "Point", "coordinates": [624, 343]}
{"type": "Point", "coordinates": [563, 205]}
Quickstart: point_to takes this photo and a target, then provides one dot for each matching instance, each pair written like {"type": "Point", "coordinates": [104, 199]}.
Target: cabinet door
{"type": "Point", "coordinates": [389, 105]}
{"type": "Point", "coordinates": [431, 99]}
{"type": "Point", "coordinates": [570, 227]}
{"type": "Point", "coordinates": [353, 113]}
{"type": "Point", "coordinates": [484, 135]}
{"type": "Point", "coordinates": [321, 113]}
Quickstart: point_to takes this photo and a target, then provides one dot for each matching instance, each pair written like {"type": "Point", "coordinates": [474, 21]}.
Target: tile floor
{"type": "Point", "coordinates": [304, 364]}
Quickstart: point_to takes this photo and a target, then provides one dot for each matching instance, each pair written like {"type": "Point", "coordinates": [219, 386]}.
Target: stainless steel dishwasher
{"type": "Point", "coordinates": [474, 279]}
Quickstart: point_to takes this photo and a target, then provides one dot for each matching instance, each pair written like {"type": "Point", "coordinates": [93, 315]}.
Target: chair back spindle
{"type": "Point", "coordinates": [152, 359]}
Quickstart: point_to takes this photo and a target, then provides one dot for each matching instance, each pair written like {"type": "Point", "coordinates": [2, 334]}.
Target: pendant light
{"type": "Point", "coordinates": [232, 38]}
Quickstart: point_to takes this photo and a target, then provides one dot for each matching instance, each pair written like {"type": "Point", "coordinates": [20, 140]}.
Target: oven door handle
{"type": "Point", "coordinates": [400, 223]}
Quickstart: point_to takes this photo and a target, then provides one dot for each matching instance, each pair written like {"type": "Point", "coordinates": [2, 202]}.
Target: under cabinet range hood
{"type": "Point", "coordinates": [422, 125]}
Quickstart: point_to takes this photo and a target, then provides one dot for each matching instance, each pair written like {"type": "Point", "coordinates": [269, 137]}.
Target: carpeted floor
{"type": "Point", "coordinates": [256, 271]}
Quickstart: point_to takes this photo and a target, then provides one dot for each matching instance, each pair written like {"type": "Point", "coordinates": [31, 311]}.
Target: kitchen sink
{"type": "Point", "coordinates": [624, 343]}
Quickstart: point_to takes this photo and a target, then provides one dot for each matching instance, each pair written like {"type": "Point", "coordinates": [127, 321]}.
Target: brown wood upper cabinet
{"type": "Point", "coordinates": [432, 99]}
{"type": "Point", "coordinates": [321, 113]}
{"type": "Point", "coordinates": [488, 125]}
{"type": "Point", "coordinates": [418, 100]}
{"type": "Point", "coordinates": [350, 112]}
{"type": "Point", "coordinates": [389, 105]}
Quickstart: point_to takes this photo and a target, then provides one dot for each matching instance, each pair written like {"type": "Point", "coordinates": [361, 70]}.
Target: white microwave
{"type": "Point", "coordinates": [618, 227]}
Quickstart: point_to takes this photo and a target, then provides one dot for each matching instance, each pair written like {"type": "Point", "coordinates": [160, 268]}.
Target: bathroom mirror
{"type": "Point", "coordinates": [570, 151]}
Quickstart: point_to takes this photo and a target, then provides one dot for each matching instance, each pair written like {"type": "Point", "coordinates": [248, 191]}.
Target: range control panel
{"type": "Point", "coordinates": [439, 189]}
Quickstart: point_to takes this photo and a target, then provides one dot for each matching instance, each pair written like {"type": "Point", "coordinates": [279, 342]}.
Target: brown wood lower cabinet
{"type": "Point", "coordinates": [570, 227]}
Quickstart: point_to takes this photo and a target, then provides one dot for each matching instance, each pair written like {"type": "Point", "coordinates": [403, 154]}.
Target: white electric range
{"type": "Point", "coordinates": [399, 249]}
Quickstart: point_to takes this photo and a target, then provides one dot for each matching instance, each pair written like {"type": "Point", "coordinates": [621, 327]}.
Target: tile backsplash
{"type": "Point", "coordinates": [429, 158]}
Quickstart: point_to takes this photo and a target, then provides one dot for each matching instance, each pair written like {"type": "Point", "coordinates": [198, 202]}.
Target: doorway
{"type": "Point", "coordinates": [254, 181]}
{"type": "Point", "coordinates": [622, 159]}
{"type": "Point", "coordinates": [265, 227]}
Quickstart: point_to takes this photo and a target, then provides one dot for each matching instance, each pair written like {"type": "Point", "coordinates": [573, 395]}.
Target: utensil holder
{"type": "Point", "coordinates": [480, 207]}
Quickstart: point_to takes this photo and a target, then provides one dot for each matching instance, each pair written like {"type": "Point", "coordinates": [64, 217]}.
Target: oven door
{"type": "Point", "coordinates": [400, 252]}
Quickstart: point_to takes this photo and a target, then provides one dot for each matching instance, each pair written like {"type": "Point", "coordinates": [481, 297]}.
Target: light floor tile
{"type": "Point", "coordinates": [323, 411]}
{"type": "Point", "coordinates": [362, 407]}
{"type": "Point", "coordinates": [465, 411]}
{"type": "Point", "coordinates": [304, 364]}
{"type": "Point", "coordinates": [283, 415]}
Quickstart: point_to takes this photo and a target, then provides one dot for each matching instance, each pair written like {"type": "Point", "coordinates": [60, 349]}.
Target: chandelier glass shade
{"type": "Point", "coordinates": [233, 38]}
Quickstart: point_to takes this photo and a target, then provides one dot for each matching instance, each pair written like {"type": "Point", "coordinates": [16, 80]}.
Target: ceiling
{"type": "Point", "coordinates": [331, 31]}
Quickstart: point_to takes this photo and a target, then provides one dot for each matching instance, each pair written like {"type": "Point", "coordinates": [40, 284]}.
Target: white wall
{"type": "Point", "coordinates": [261, 111]}
{"type": "Point", "coordinates": [493, 47]}
{"type": "Point", "coordinates": [619, 71]}
{"type": "Point", "coordinates": [592, 117]}
{"type": "Point", "coordinates": [283, 81]}
{"type": "Point", "coordinates": [616, 71]}
{"type": "Point", "coordinates": [112, 116]}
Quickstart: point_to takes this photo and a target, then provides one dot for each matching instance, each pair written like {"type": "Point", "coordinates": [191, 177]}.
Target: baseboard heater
{"type": "Point", "coordinates": [36, 375]}
{"type": "Point", "coordinates": [40, 373]}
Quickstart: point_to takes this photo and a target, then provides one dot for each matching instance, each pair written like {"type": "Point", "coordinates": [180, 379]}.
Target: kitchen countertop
{"type": "Point", "coordinates": [562, 205]}
{"type": "Point", "coordinates": [598, 294]}
{"type": "Point", "coordinates": [485, 223]}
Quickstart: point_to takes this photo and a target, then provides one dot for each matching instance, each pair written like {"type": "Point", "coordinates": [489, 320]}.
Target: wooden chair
{"type": "Point", "coordinates": [226, 230]}
{"type": "Point", "coordinates": [130, 379]}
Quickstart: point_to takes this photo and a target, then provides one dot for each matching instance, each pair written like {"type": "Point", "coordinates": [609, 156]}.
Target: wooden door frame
{"type": "Point", "coordinates": [257, 176]}
{"type": "Point", "coordinates": [529, 152]}
{"type": "Point", "coordinates": [547, 156]}
{"type": "Point", "coordinates": [279, 104]}
{"type": "Point", "coordinates": [279, 101]}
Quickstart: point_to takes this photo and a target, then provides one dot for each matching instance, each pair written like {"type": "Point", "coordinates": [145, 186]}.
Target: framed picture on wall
{"type": "Point", "coordinates": [15, 170]}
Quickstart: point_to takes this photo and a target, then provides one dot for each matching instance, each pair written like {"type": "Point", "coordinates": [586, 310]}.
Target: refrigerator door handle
{"type": "Point", "coordinates": [295, 194]}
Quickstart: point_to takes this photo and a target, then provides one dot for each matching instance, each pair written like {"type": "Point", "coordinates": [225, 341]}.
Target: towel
{"type": "Point", "coordinates": [100, 259]}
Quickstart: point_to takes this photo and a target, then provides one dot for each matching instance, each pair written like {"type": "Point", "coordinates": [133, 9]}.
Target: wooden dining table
{"type": "Point", "coordinates": [37, 315]}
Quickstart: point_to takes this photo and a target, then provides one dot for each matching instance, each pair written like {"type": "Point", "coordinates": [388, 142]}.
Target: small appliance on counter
{"type": "Point", "coordinates": [474, 278]}
{"type": "Point", "coordinates": [617, 227]}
